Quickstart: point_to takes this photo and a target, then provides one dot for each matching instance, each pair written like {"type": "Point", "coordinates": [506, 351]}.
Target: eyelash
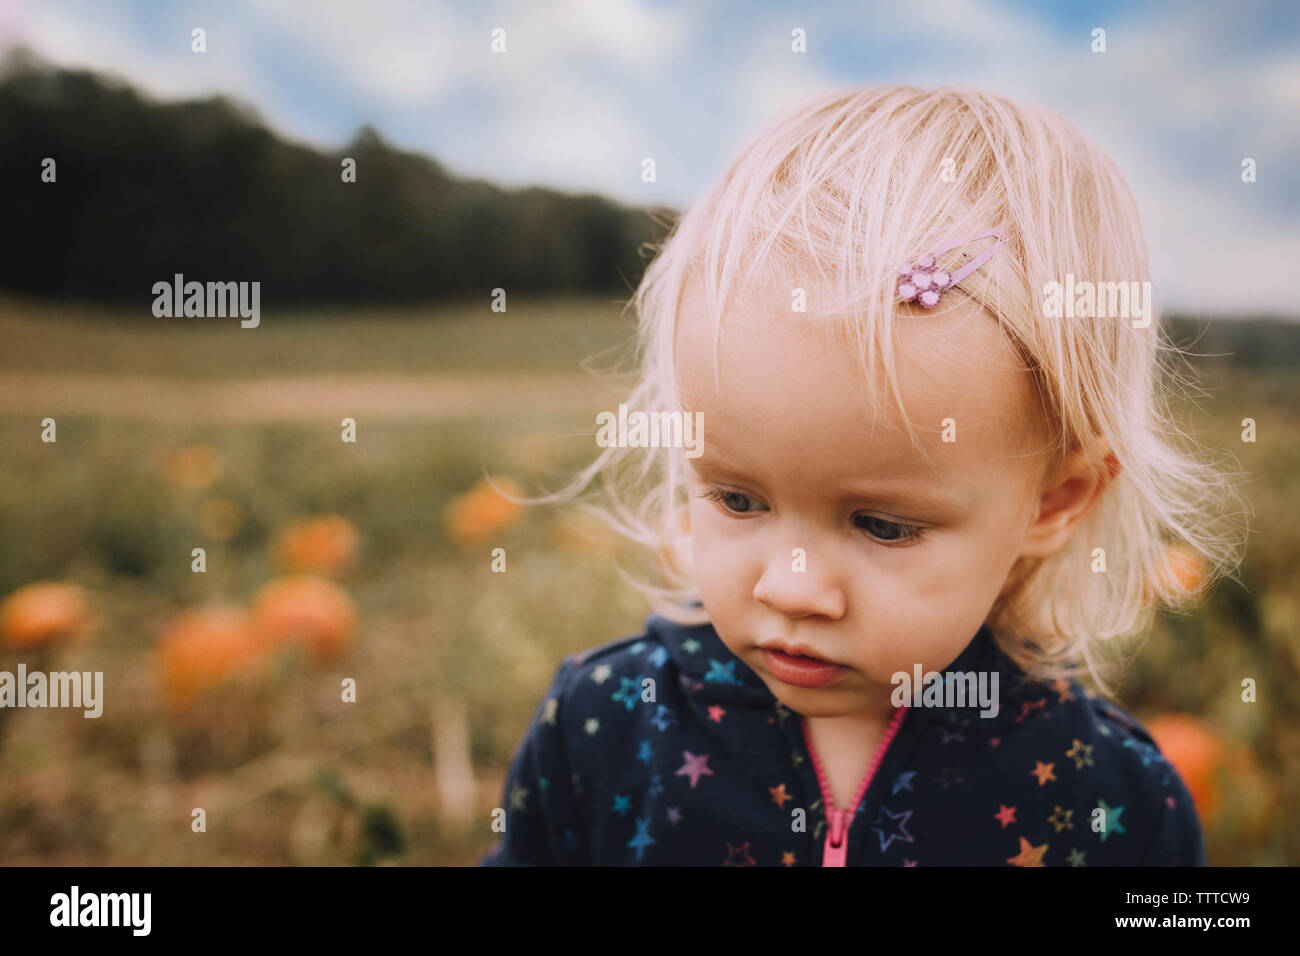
{"type": "Point", "coordinates": [912, 533]}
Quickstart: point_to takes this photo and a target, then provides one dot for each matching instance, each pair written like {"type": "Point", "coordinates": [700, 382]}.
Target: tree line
{"type": "Point", "coordinates": [143, 190]}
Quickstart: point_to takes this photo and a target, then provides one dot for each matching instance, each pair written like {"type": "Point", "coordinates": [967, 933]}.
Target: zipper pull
{"type": "Point", "coordinates": [835, 851]}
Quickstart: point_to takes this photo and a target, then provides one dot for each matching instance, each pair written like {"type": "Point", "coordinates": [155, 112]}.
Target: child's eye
{"type": "Point", "coordinates": [732, 501]}
{"type": "Point", "coordinates": [882, 529]}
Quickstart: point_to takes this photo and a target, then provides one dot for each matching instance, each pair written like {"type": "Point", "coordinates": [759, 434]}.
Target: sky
{"type": "Point", "coordinates": [587, 88]}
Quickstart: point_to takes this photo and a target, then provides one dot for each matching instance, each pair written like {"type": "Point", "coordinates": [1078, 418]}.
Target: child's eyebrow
{"type": "Point", "coordinates": [914, 495]}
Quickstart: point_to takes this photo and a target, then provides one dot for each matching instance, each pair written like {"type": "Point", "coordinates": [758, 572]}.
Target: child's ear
{"type": "Point", "coordinates": [1065, 498]}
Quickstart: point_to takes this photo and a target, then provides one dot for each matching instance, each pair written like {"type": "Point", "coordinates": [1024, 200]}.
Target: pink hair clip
{"type": "Point", "coordinates": [922, 282]}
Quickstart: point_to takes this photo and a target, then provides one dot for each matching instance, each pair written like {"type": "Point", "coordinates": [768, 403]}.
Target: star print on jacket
{"type": "Point", "coordinates": [716, 772]}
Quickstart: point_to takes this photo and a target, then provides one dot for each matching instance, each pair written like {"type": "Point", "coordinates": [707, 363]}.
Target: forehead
{"type": "Point", "coordinates": [791, 396]}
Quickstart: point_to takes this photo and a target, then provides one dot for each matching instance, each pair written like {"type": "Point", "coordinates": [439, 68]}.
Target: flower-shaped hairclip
{"type": "Point", "coordinates": [924, 283]}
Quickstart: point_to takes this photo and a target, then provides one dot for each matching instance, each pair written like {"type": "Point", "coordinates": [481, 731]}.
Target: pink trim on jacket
{"type": "Point", "coordinates": [835, 850]}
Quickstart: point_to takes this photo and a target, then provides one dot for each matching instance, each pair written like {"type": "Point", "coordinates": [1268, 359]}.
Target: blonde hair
{"type": "Point", "coordinates": [857, 182]}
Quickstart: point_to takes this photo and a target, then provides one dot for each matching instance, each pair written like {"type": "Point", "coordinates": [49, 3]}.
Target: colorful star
{"type": "Point", "coordinates": [722, 673]}
{"type": "Point", "coordinates": [715, 714]}
{"type": "Point", "coordinates": [949, 736]}
{"type": "Point", "coordinates": [787, 858]}
{"type": "Point", "coordinates": [600, 673]}
{"type": "Point", "coordinates": [1112, 820]}
{"type": "Point", "coordinates": [1076, 858]}
{"type": "Point", "coordinates": [622, 804]}
{"type": "Point", "coordinates": [903, 781]}
{"type": "Point", "coordinates": [694, 767]}
{"type": "Point", "coordinates": [549, 711]}
{"type": "Point", "coordinates": [1029, 855]}
{"type": "Point", "coordinates": [1062, 819]}
{"type": "Point", "coordinates": [1149, 753]}
{"type": "Point", "coordinates": [1081, 753]}
{"type": "Point", "coordinates": [1006, 814]}
{"type": "Point", "coordinates": [779, 796]}
{"type": "Point", "coordinates": [1043, 771]}
{"type": "Point", "coordinates": [658, 656]}
{"type": "Point", "coordinates": [518, 796]}
{"type": "Point", "coordinates": [894, 822]}
{"type": "Point", "coordinates": [1026, 706]}
{"type": "Point", "coordinates": [629, 691]}
{"type": "Point", "coordinates": [644, 753]}
{"type": "Point", "coordinates": [591, 726]}
{"type": "Point", "coordinates": [638, 647]}
{"type": "Point", "coordinates": [690, 645]}
{"type": "Point", "coordinates": [1062, 688]}
{"type": "Point", "coordinates": [663, 718]}
{"type": "Point", "coordinates": [656, 785]}
{"type": "Point", "coordinates": [642, 838]}
{"type": "Point", "coordinates": [735, 857]}
{"type": "Point", "coordinates": [674, 815]}
{"type": "Point", "coordinates": [907, 862]}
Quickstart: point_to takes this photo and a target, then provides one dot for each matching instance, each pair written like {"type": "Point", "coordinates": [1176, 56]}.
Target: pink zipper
{"type": "Point", "coordinates": [835, 851]}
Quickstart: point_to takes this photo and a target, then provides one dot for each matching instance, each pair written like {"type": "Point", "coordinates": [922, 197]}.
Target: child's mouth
{"type": "Point", "coordinates": [800, 669]}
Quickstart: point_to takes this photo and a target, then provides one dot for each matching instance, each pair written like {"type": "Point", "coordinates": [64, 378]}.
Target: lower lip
{"type": "Point", "coordinates": [800, 671]}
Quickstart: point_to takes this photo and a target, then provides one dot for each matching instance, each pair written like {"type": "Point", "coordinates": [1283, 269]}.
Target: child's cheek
{"type": "Point", "coordinates": [716, 540]}
{"type": "Point", "coordinates": [926, 616]}
{"type": "Point", "coordinates": [715, 564]}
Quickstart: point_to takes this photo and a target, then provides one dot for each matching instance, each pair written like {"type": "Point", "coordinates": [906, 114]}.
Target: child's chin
{"type": "Point", "coordinates": [811, 702]}
{"type": "Point", "coordinates": [824, 702]}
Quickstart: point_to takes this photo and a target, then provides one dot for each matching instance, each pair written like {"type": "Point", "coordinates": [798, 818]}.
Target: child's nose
{"type": "Point", "coordinates": [794, 585]}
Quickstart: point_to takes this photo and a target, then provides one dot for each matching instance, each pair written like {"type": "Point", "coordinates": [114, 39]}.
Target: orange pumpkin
{"type": "Point", "coordinates": [325, 544]}
{"type": "Point", "coordinates": [307, 611]}
{"type": "Point", "coordinates": [202, 648]}
{"type": "Point", "coordinates": [42, 611]}
{"type": "Point", "coordinates": [483, 511]}
{"type": "Point", "coordinates": [1196, 752]}
{"type": "Point", "coordinates": [193, 466]}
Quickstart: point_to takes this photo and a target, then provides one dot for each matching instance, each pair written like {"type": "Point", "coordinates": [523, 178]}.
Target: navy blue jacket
{"type": "Point", "coordinates": [716, 771]}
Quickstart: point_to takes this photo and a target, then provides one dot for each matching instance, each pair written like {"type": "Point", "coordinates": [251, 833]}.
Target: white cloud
{"type": "Point", "coordinates": [400, 51]}
{"type": "Point", "coordinates": [623, 31]}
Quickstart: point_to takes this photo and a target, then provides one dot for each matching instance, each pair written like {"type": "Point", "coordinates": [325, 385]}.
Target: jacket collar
{"type": "Point", "coordinates": [702, 658]}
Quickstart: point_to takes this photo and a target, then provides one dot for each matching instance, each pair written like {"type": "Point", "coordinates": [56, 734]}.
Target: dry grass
{"type": "Point", "coordinates": [450, 659]}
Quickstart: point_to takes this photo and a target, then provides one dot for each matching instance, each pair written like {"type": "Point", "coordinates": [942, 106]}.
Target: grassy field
{"type": "Point", "coordinates": [177, 436]}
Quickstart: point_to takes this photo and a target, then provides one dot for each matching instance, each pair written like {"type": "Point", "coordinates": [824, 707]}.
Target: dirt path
{"type": "Point", "coordinates": [296, 399]}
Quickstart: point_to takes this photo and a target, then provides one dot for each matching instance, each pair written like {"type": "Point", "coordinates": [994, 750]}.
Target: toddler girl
{"type": "Point", "coordinates": [923, 494]}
